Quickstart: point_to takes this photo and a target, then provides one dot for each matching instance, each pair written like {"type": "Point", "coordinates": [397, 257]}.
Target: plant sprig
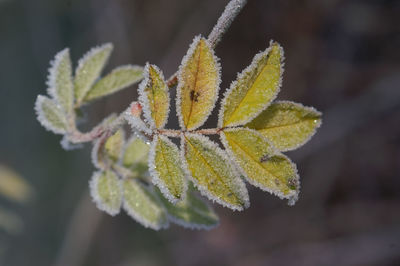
{"type": "Point", "coordinates": [156, 181]}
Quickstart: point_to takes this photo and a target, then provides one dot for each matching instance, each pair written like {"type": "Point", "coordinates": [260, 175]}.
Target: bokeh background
{"type": "Point", "coordinates": [342, 57]}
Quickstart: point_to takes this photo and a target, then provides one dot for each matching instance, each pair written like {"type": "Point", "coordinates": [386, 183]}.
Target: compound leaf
{"type": "Point", "coordinates": [211, 172]}
{"type": "Point", "coordinates": [89, 69]}
{"type": "Point", "coordinates": [154, 97]}
{"type": "Point", "coordinates": [261, 164]}
{"type": "Point", "coordinates": [254, 88]}
{"type": "Point", "coordinates": [166, 169]}
{"type": "Point", "coordinates": [118, 79]}
{"type": "Point", "coordinates": [143, 206]}
{"type": "Point", "coordinates": [198, 84]}
{"type": "Point", "coordinates": [50, 115]}
{"type": "Point", "coordinates": [60, 85]}
{"type": "Point", "coordinates": [114, 145]}
{"type": "Point", "coordinates": [286, 124]}
{"type": "Point", "coordinates": [192, 212]}
{"type": "Point", "coordinates": [106, 191]}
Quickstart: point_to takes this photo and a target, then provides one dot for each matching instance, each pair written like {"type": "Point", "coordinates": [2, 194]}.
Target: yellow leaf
{"type": "Point", "coordinates": [261, 164]}
{"type": "Point", "coordinates": [211, 172]}
{"type": "Point", "coordinates": [114, 144]}
{"type": "Point", "coordinates": [154, 97]}
{"type": "Point", "coordinates": [166, 169]}
{"type": "Point", "coordinates": [286, 124]}
{"type": "Point", "coordinates": [136, 151]}
{"type": "Point", "coordinates": [143, 206]}
{"type": "Point", "coordinates": [254, 89]}
{"type": "Point", "coordinates": [198, 84]}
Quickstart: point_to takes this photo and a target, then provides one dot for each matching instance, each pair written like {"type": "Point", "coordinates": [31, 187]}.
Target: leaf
{"type": "Point", "coordinates": [154, 97]}
{"type": "Point", "coordinates": [166, 169]}
{"type": "Point", "coordinates": [118, 79]}
{"type": "Point", "coordinates": [59, 81]}
{"type": "Point", "coordinates": [136, 151]}
{"type": "Point", "coordinates": [89, 69]}
{"type": "Point", "coordinates": [106, 191]}
{"type": "Point", "coordinates": [261, 164]}
{"type": "Point", "coordinates": [254, 88]}
{"type": "Point", "coordinates": [143, 206]}
{"type": "Point", "coordinates": [50, 115]}
{"type": "Point", "coordinates": [192, 212]}
{"type": "Point", "coordinates": [286, 124]}
{"type": "Point", "coordinates": [114, 145]}
{"type": "Point", "coordinates": [211, 172]}
{"type": "Point", "coordinates": [198, 84]}
{"type": "Point", "coordinates": [13, 186]}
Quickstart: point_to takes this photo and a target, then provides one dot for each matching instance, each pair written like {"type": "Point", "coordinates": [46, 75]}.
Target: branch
{"type": "Point", "coordinates": [232, 9]}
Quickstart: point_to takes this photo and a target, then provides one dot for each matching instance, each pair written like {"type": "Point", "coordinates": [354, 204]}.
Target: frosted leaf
{"type": "Point", "coordinates": [191, 212]}
{"type": "Point", "coordinates": [118, 79]}
{"type": "Point", "coordinates": [136, 151]}
{"type": "Point", "coordinates": [198, 84]}
{"type": "Point", "coordinates": [154, 97]}
{"type": "Point", "coordinates": [50, 115]}
{"type": "Point", "coordinates": [211, 172]}
{"type": "Point", "coordinates": [166, 170]}
{"type": "Point", "coordinates": [144, 207]}
{"type": "Point", "coordinates": [254, 89]}
{"type": "Point", "coordinates": [286, 124]}
{"type": "Point", "coordinates": [135, 121]}
{"type": "Point", "coordinates": [261, 163]}
{"type": "Point", "coordinates": [59, 81]}
{"type": "Point", "coordinates": [107, 121]}
{"type": "Point", "coordinates": [89, 69]}
{"type": "Point", "coordinates": [114, 145]}
{"type": "Point", "coordinates": [98, 155]}
{"type": "Point", "coordinates": [106, 191]}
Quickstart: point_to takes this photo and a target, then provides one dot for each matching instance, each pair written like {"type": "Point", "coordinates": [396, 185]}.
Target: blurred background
{"type": "Point", "coordinates": [342, 57]}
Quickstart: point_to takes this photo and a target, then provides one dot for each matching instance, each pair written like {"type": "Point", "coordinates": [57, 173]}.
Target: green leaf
{"type": "Point", "coordinates": [60, 85]}
{"type": "Point", "coordinates": [114, 145]}
{"type": "Point", "coordinates": [166, 169]}
{"type": "Point", "coordinates": [254, 89]}
{"type": "Point", "coordinates": [286, 124]}
{"type": "Point", "coordinates": [89, 69]}
{"type": "Point", "coordinates": [261, 164]}
{"type": "Point", "coordinates": [50, 115]}
{"type": "Point", "coordinates": [143, 206]}
{"type": "Point", "coordinates": [106, 191]}
{"type": "Point", "coordinates": [198, 84]}
{"type": "Point", "coordinates": [117, 80]}
{"type": "Point", "coordinates": [192, 212]}
{"type": "Point", "coordinates": [136, 151]}
{"type": "Point", "coordinates": [210, 170]}
{"type": "Point", "coordinates": [154, 97]}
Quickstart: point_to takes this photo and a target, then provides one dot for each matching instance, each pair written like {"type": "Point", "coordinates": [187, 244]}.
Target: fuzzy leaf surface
{"type": "Point", "coordinates": [89, 69]}
{"type": "Point", "coordinates": [286, 124]}
{"type": "Point", "coordinates": [50, 115]}
{"type": "Point", "coordinates": [192, 212]}
{"type": "Point", "coordinates": [154, 96]}
{"type": "Point", "coordinates": [114, 145]}
{"type": "Point", "coordinates": [143, 206]}
{"type": "Point", "coordinates": [166, 169]}
{"type": "Point", "coordinates": [212, 173]}
{"type": "Point", "coordinates": [60, 83]}
{"type": "Point", "coordinates": [253, 89]}
{"type": "Point", "coordinates": [117, 80]}
{"type": "Point", "coordinates": [106, 191]}
{"type": "Point", "coordinates": [136, 151]}
{"type": "Point", "coordinates": [261, 164]}
{"type": "Point", "coordinates": [198, 84]}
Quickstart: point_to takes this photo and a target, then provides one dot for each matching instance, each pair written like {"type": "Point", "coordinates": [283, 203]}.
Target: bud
{"type": "Point", "coordinates": [136, 109]}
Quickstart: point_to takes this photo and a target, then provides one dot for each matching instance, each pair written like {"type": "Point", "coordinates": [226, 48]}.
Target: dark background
{"type": "Point", "coordinates": [342, 57]}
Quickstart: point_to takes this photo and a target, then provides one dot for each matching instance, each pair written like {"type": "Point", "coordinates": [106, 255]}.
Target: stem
{"type": "Point", "coordinates": [232, 9]}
